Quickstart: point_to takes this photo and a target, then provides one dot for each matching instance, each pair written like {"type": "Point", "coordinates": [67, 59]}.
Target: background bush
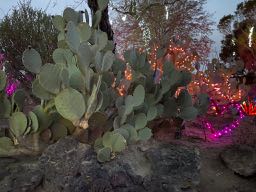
{"type": "Point", "coordinates": [26, 26]}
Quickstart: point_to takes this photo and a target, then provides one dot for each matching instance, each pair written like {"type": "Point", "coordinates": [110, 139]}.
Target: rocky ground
{"type": "Point", "coordinates": [187, 165]}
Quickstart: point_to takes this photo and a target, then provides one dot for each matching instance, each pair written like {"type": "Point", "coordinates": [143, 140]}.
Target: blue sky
{"type": "Point", "coordinates": [218, 8]}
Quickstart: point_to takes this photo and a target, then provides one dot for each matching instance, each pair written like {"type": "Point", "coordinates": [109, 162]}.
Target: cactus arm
{"type": "Point", "coordinates": [93, 98]}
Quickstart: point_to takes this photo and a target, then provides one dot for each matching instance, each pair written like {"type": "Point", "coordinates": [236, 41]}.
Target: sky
{"type": "Point", "coordinates": [218, 8]}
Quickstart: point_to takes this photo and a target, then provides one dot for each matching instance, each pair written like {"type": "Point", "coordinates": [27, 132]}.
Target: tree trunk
{"type": "Point", "coordinates": [104, 23]}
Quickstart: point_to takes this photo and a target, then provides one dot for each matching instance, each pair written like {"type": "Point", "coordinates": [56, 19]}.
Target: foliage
{"type": "Point", "coordinates": [22, 27]}
{"type": "Point", "coordinates": [236, 29]}
{"type": "Point", "coordinates": [86, 79]}
{"type": "Point", "coordinates": [143, 24]}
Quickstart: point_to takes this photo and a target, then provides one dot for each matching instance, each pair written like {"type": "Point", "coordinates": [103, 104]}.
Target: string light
{"type": "Point", "coordinates": [229, 128]}
{"type": "Point", "coordinates": [250, 36]}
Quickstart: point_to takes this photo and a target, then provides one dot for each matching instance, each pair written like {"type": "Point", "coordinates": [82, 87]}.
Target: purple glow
{"type": "Point", "coordinates": [229, 128]}
{"type": "Point", "coordinates": [12, 87]}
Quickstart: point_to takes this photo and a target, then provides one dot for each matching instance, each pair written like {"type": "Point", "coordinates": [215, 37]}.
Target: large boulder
{"type": "Point", "coordinates": [241, 159]}
{"type": "Point", "coordinates": [69, 166]}
{"type": "Point", "coordinates": [19, 175]}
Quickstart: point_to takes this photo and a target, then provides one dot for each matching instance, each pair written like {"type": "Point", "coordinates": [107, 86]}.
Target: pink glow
{"type": "Point", "coordinates": [12, 87]}
{"type": "Point", "coordinates": [229, 128]}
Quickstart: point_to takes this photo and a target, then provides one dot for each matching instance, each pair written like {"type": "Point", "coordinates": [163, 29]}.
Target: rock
{"type": "Point", "coordinates": [20, 176]}
{"type": "Point", "coordinates": [240, 159]}
{"type": "Point", "coordinates": [71, 166]}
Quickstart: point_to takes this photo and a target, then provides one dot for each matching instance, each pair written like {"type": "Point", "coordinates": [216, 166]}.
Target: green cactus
{"type": "Point", "coordinates": [32, 60]}
{"type": "Point", "coordinates": [18, 123]}
{"type": "Point", "coordinates": [2, 80]}
{"type": "Point", "coordinates": [6, 146]}
{"type": "Point", "coordinates": [104, 154]}
{"type": "Point", "coordinates": [6, 107]}
{"type": "Point", "coordinates": [70, 104]}
{"type": "Point", "coordinates": [78, 91]}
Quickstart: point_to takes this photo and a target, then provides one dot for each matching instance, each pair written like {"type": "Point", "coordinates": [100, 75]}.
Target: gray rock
{"type": "Point", "coordinates": [154, 167]}
{"type": "Point", "coordinates": [20, 176]}
{"type": "Point", "coordinates": [69, 166]}
{"type": "Point", "coordinates": [240, 159]}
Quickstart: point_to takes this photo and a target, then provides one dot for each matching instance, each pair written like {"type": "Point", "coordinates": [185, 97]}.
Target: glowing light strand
{"type": "Point", "coordinates": [229, 128]}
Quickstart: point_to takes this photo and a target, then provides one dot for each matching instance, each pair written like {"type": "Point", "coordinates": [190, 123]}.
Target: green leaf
{"type": "Point", "coordinates": [101, 39]}
{"type": "Point", "coordinates": [104, 154]}
{"type": "Point", "coordinates": [72, 36]}
{"type": "Point", "coordinates": [85, 56]}
{"type": "Point", "coordinates": [40, 92]}
{"type": "Point", "coordinates": [6, 107]}
{"type": "Point", "coordinates": [59, 56]}
{"type": "Point", "coordinates": [84, 31]}
{"type": "Point", "coordinates": [152, 113]}
{"type": "Point", "coordinates": [139, 95]}
{"type": "Point", "coordinates": [96, 19]}
{"type": "Point", "coordinates": [118, 142]}
{"type": "Point", "coordinates": [18, 123]}
{"type": "Point", "coordinates": [98, 144]}
{"type": "Point", "coordinates": [32, 60]}
{"type": "Point", "coordinates": [77, 81]}
{"type": "Point", "coordinates": [65, 77]}
{"type": "Point", "coordinates": [124, 132]}
{"type": "Point", "coordinates": [102, 4]}
{"type": "Point", "coordinates": [185, 78]}
{"type": "Point", "coordinates": [58, 22]}
{"type": "Point", "coordinates": [188, 113]}
{"type": "Point", "coordinates": [184, 99]}
{"type": "Point", "coordinates": [129, 103]}
{"type": "Point", "coordinates": [43, 118]}
{"type": "Point", "coordinates": [70, 104]}
{"type": "Point", "coordinates": [50, 79]}
{"type": "Point", "coordinates": [145, 134]}
{"type": "Point", "coordinates": [2, 80]}
{"type": "Point", "coordinates": [70, 14]}
{"type": "Point", "coordinates": [34, 121]}
{"type": "Point", "coordinates": [107, 139]}
{"type": "Point", "coordinates": [19, 98]}
{"type": "Point", "coordinates": [6, 145]}
{"type": "Point", "coordinates": [107, 61]}
{"type": "Point", "coordinates": [140, 121]}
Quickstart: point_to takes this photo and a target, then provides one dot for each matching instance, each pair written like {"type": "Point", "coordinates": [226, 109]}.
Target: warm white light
{"type": "Point", "coordinates": [167, 13]}
{"type": "Point", "coordinates": [250, 37]}
{"type": "Point", "coordinates": [124, 18]}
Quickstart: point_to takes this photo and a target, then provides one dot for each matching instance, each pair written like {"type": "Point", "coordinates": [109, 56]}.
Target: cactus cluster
{"type": "Point", "coordinates": [77, 90]}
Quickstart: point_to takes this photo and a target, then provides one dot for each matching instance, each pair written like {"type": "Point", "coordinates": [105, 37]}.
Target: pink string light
{"type": "Point", "coordinates": [229, 128]}
{"type": "Point", "coordinates": [12, 87]}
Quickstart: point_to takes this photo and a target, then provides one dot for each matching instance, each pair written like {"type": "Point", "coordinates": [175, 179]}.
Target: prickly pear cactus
{"type": "Point", "coordinates": [80, 90]}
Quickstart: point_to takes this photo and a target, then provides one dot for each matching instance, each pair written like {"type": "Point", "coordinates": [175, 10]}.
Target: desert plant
{"type": "Point", "coordinates": [81, 89]}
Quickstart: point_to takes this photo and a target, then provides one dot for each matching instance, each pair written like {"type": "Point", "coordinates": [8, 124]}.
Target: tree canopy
{"type": "Point", "coordinates": [144, 23]}
{"type": "Point", "coordinates": [239, 41]}
{"type": "Point", "coordinates": [23, 27]}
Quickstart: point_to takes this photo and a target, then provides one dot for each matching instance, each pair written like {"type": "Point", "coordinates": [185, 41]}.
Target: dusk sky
{"type": "Point", "coordinates": [219, 8]}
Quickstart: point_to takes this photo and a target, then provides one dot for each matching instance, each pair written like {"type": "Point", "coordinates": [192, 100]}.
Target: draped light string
{"type": "Point", "coordinates": [222, 91]}
{"type": "Point", "coordinates": [228, 128]}
{"type": "Point", "coordinates": [250, 36]}
{"type": "Point", "coordinates": [124, 84]}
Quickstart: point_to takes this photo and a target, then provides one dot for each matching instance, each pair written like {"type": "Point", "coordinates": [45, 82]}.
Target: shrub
{"type": "Point", "coordinates": [22, 27]}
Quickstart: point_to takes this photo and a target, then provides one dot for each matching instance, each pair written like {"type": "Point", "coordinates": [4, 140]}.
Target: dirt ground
{"type": "Point", "coordinates": [215, 176]}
